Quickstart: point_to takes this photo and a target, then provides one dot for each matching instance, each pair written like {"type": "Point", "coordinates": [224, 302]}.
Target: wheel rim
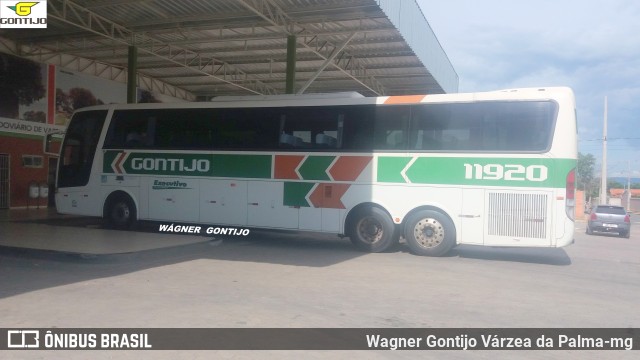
{"type": "Point", "coordinates": [370, 230]}
{"type": "Point", "coordinates": [121, 213]}
{"type": "Point", "coordinates": [428, 233]}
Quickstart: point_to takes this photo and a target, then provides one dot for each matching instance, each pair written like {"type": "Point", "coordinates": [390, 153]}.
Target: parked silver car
{"type": "Point", "coordinates": [609, 218]}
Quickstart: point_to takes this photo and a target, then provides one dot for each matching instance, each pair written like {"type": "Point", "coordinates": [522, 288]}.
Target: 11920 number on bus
{"type": "Point", "coordinates": [537, 173]}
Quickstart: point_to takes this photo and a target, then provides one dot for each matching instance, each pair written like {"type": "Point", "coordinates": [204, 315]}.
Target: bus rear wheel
{"type": "Point", "coordinates": [429, 233]}
{"type": "Point", "coordinates": [120, 212]}
{"type": "Point", "coordinates": [372, 230]}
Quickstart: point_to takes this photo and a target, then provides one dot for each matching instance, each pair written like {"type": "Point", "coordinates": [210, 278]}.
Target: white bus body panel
{"type": "Point", "coordinates": [223, 202]}
{"type": "Point", "coordinates": [259, 203]}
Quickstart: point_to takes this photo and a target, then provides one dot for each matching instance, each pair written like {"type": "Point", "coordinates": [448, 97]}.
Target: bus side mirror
{"type": "Point", "coordinates": [51, 143]}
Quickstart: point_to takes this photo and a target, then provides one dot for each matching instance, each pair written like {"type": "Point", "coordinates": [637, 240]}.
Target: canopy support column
{"type": "Point", "coordinates": [291, 65]}
{"type": "Point", "coordinates": [132, 75]}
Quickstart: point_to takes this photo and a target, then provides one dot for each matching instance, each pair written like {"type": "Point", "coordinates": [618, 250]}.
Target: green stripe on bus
{"type": "Point", "coordinates": [295, 193]}
{"type": "Point", "coordinates": [315, 167]}
{"type": "Point", "coordinates": [108, 159]}
{"type": "Point", "coordinates": [390, 168]}
{"type": "Point", "coordinates": [216, 165]}
{"type": "Point", "coordinates": [20, 135]}
{"type": "Point", "coordinates": [242, 166]}
{"type": "Point", "coordinates": [517, 172]}
{"type": "Point", "coordinates": [529, 172]}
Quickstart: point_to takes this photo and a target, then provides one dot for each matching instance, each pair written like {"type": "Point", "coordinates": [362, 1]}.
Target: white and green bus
{"type": "Point", "coordinates": [491, 168]}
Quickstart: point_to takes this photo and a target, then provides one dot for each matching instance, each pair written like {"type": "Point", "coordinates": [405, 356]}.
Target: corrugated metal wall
{"type": "Point", "coordinates": [408, 18]}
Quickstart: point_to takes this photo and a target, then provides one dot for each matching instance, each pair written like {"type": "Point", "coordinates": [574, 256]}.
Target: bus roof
{"type": "Point", "coordinates": [352, 98]}
{"type": "Point", "coordinates": [336, 95]}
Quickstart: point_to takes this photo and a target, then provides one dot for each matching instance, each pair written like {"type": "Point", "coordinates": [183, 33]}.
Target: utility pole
{"type": "Point", "coordinates": [628, 185]}
{"type": "Point", "coordinates": [603, 180]}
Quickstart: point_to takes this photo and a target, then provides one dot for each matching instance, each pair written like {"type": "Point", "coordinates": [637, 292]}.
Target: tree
{"type": "Point", "coordinates": [614, 184]}
{"type": "Point", "coordinates": [63, 102]}
{"type": "Point", "coordinates": [146, 96]}
{"type": "Point", "coordinates": [81, 97]}
{"type": "Point", "coordinates": [584, 170]}
{"type": "Point", "coordinates": [20, 84]}
{"type": "Point", "coordinates": [611, 184]}
{"type": "Point", "coordinates": [36, 116]}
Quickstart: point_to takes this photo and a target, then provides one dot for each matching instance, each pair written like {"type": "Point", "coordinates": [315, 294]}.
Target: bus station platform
{"type": "Point", "coordinates": [44, 229]}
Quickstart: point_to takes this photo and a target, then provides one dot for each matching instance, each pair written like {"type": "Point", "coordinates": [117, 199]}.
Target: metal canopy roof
{"type": "Point", "coordinates": [204, 48]}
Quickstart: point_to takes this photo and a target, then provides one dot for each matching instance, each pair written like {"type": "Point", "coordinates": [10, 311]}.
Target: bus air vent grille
{"type": "Point", "coordinates": [517, 215]}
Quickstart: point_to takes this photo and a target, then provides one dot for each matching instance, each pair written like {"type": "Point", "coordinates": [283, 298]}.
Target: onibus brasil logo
{"type": "Point", "coordinates": [25, 14]}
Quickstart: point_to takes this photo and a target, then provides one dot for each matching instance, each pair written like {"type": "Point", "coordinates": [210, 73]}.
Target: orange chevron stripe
{"type": "Point", "coordinates": [348, 168]}
{"type": "Point", "coordinates": [118, 163]}
{"type": "Point", "coordinates": [285, 166]}
{"type": "Point", "coordinates": [404, 99]}
{"type": "Point", "coordinates": [328, 196]}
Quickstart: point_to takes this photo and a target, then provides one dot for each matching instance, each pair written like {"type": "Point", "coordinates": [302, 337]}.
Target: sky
{"type": "Point", "coordinates": [592, 46]}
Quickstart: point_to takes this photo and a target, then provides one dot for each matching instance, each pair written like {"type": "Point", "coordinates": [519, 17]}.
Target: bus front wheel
{"type": "Point", "coordinates": [372, 230]}
{"type": "Point", "coordinates": [430, 233]}
{"type": "Point", "coordinates": [120, 212]}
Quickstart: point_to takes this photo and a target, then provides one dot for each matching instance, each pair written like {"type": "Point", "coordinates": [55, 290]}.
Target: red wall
{"type": "Point", "coordinates": [20, 176]}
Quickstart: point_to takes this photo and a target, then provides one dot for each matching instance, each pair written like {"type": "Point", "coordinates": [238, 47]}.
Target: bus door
{"type": "Point", "coordinates": [76, 161]}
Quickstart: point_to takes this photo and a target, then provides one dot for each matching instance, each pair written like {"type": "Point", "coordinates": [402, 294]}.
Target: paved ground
{"type": "Point", "coordinates": [282, 279]}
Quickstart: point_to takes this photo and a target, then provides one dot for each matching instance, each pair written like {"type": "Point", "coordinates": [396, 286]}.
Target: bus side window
{"type": "Point", "coordinates": [241, 129]}
{"type": "Point", "coordinates": [71, 154]}
{"type": "Point", "coordinates": [428, 127]}
{"type": "Point", "coordinates": [325, 141]}
{"type": "Point", "coordinates": [357, 130]}
{"type": "Point", "coordinates": [391, 127]}
{"type": "Point", "coordinates": [314, 128]}
{"type": "Point", "coordinates": [79, 147]}
{"type": "Point", "coordinates": [266, 123]}
{"type": "Point", "coordinates": [134, 139]}
{"type": "Point", "coordinates": [287, 141]}
{"type": "Point", "coordinates": [129, 129]}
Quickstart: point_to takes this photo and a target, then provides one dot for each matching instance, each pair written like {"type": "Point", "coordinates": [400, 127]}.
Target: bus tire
{"type": "Point", "coordinates": [120, 212]}
{"type": "Point", "coordinates": [429, 233]}
{"type": "Point", "coordinates": [372, 230]}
